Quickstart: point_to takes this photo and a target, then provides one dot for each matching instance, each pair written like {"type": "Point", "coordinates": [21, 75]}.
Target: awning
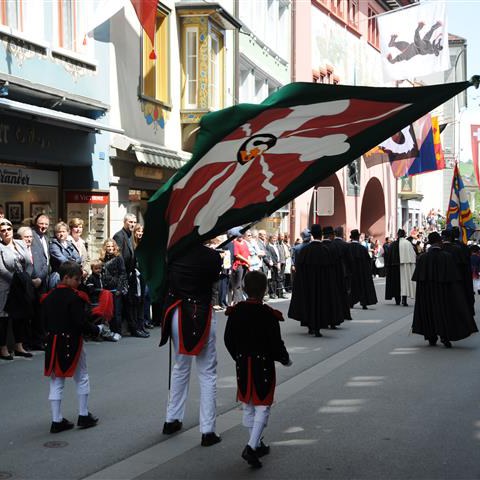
{"type": "Point", "coordinates": [158, 157]}
{"type": "Point", "coordinates": [151, 154]}
{"type": "Point", "coordinates": [47, 115]}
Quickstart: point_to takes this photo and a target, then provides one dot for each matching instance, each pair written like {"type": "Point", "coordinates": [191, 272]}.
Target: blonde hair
{"type": "Point", "coordinates": [96, 263]}
{"type": "Point", "coordinates": [60, 225]}
{"type": "Point", "coordinates": [103, 250]}
{"type": "Point", "coordinates": [75, 222]}
{"type": "Point", "coordinates": [136, 241]}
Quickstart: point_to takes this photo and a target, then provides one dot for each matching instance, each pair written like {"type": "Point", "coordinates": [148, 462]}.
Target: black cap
{"type": "Point", "coordinates": [355, 234]}
{"type": "Point", "coordinates": [434, 237]}
{"type": "Point", "coordinates": [316, 230]}
{"type": "Point", "coordinates": [328, 231]}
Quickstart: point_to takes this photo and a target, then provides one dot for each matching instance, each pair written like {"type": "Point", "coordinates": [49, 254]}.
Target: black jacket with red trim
{"type": "Point", "coordinates": [253, 339]}
{"type": "Point", "coordinates": [190, 281]}
{"type": "Point", "coordinates": [64, 314]}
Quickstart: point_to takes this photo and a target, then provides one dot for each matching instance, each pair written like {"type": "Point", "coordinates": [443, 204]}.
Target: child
{"type": "Point", "coordinates": [253, 339]}
{"type": "Point", "coordinates": [65, 319]}
{"type": "Point", "coordinates": [102, 301]}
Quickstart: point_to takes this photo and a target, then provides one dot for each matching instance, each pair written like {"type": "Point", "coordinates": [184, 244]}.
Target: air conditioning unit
{"type": "Point", "coordinates": [324, 201]}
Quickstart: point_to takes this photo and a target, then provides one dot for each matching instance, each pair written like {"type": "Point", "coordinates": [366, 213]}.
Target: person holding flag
{"type": "Point", "coordinates": [189, 321]}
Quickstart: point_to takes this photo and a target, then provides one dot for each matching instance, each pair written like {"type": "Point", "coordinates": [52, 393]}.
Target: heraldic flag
{"type": "Point", "coordinates": [459, 213]}
{"type": "Point", "coordinates": [416, 149]}
{"type": "Point", "coordinates": [250, 160]}
{"type": "Point", "coordinates": [475, 132]}
{"type": "Point", "coordinates": [414, 41]}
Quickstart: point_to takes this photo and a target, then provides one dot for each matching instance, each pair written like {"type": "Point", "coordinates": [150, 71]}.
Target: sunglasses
{"type": "Point", "coordinates": [8, 229]}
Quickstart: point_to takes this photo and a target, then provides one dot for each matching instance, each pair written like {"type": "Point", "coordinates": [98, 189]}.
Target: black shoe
{"type": "Point", "coordinates": [209, 439]}
{"type": "Point", "coordinates": [171, 427]}
{"type": "Point", "coordinates": [262, 449]}
{"type": "Point", "coordinates": [311, 331]}
{"type": "Point", "coordinates": [364, 307]}
{"type": "Point", "coordinates": [317, 333]}
{"type": "Point", "coordinates": [149, 325]}
{"type": "Point", "coordinates": [6, 357]}
{"type": "Point", "coordinates": [273, 296]}
{"type": "Point", "coordinates": [23, 354]}
{"type": "Point", "coordinates": [58, 427]}
{"type": "Point", "coordinates": [87, 421]}
{"type": "Point", "coordinates": [144, 331]}
{"type": "Point", "coordinates": [333, 327]}
{"type": "Point", "coordinates": [36, 348]}
{"type": "Point", "coordinates": [250, 455]}
{"type": "Point", "coordinates": [139, 334]}
{"type": "Point", "coordinates": [432, 341]}
{"type": "Point", "coordinates": [447, 343]}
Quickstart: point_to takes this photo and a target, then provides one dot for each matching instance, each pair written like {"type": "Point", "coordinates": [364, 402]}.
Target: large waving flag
{"type": "Point", "coordinates": [459, 213]}
{"type": "Point", "coordinates": [250, 160]}
{"type": "Point", "coordinates": [475, 132]}
{"type": "Point", "coordinates": [414, 41]}
{"type": "Point", "coordinates": [416, 149]}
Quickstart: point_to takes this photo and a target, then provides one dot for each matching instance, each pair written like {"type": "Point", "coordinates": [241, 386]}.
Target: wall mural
{"type": "Point", "coordinates": [154, 115]}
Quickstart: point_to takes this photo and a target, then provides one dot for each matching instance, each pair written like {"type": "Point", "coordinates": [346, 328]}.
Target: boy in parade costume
{"type": "Point", "coordinates": [64, 314]}
{"type": "Point", "coordinates": [253, 339]}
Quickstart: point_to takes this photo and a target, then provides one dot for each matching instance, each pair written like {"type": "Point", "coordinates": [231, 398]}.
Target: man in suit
{"type": "Point", "coordinates": [277, 256]}
{"type": "Point", "coordinates": [41, 269]}
{"type": "Point", "coordinates": [131, 308]}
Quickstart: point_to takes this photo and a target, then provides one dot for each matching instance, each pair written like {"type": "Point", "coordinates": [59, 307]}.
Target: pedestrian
{"type": "Point", "coordinates": [189, 321]}
{"type": "Point", "coordinates": [362, 288]}
{"type": "Point", "coordinates": [41, 270]}
{"type": "Point", "coordinates": [253, 339]}
{"type": "Point", "coordinates": [316, 301]}
{"type": "Point", "coordinates": [64, 316]}
{"type": "Point", "coordinates": [475, 267]}
{"type": "Point", "coordinates": [16, 291]}
{"type": "Point", "coordinates": [400, 260]}
{"type": "Point", "coordinates": [130, 308]}
{"type": "Point", "coordinates": [347, 260]}
{"type": "Point", "coordinates": [440, 306]}
{"type": "Point", "coordinates": [241, 264]}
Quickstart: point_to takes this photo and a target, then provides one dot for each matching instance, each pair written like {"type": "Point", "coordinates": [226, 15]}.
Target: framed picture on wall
{"type": "Point", "coordinates": [39, 207]}
{"type": "Point", "coordinates": [14, 211]}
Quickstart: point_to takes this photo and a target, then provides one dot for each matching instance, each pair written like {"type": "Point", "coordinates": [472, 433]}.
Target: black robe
{"type": "Point", "coordinates": [362, 288]}
{"type": "Point", "coordinates": [253, 339]}
{"type": "Point", "coordinates": [440, 307]}
{"type": "Point", "coordinates": [316, 301]}
{"type": "Point", "coordinates": [462, 260]}
{"type": "Point", "coordinates": [345, 255]}
{"type": "Point", "coordinates": [392, 272]}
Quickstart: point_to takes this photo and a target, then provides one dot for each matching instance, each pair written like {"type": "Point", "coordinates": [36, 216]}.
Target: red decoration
{"type": "Point", "coordinates": [146, 11]}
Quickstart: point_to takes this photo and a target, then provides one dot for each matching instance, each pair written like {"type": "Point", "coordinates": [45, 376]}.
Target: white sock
{"type": "Point", "coordinates": [256, 434]}
{"type": "Point", "coordinates": [55, 406]}
{"type": "Point", "coordinates": [83, 404]}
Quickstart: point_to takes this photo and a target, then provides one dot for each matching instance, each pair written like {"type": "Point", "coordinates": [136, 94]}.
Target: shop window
{"type": "Point", "coordinates": [67, 18]}
{"type": "Point", "coordinates": [191, 67]}
{"type": "Point", "coordinates": [11, 14]}
{"type": "Point", "coordinates": [156, 83]}
{"type": "Point", "coordinates": [373, 36]}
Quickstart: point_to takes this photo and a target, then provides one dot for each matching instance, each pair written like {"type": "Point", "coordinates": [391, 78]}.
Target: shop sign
{"type": "Point", "coordinates": [27, 177]}
{"type": "Point", "coordinates": [86, 197]}
{"type": "Point", "coordinates": [147, 172]}
{"type": "Point", "coordinates": [25, 135]}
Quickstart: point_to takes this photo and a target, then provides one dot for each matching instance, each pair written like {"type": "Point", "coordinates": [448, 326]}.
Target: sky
{"type": "Point", "coordinates": [463, 20]}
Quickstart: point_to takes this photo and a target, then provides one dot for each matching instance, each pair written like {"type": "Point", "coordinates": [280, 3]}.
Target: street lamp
{"type": "Point", "coordinates": [456, 125]}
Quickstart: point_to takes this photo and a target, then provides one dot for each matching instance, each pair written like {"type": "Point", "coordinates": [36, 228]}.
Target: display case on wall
{"type": "Point", "coordinates": [92, 208]}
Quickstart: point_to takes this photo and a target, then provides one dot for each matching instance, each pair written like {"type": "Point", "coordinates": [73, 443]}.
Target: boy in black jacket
{"type": "Point", "coordinates": [64, 314]}
{"type": "Point", "coordinates": [253, 339]}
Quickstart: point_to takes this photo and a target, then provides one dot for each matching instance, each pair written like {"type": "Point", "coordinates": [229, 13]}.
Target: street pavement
{"type": "Point", "coordinates": [369, 400]}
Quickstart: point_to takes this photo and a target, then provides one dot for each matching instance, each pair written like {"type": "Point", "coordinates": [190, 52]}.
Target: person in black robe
{"type": "Point", "coordinates": [392, 271]}
{"type": "Point", "coordinates": [316, 302]}
{"type": "Point", "coordinates": [362, 288]}
{"type": "Point", "coordinates": [462, 261]}
{"type": "Point", "coordinates": [340, 248]}
{"type": "Point", "coordinates": [440, 307]}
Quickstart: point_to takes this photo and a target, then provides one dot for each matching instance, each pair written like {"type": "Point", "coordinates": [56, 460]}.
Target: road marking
{"type": "Point", "coordinates": [164, 451]}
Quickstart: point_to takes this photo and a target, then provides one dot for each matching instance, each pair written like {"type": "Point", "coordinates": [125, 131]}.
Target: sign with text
{"type": "Point", "coordinates": [86, 197]}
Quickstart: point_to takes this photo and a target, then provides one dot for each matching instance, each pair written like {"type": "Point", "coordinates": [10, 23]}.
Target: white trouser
{"type": "Point", "coordinates": [255, 417]}
{"type": "Point", "coordinates": [255, 413]}
{"type": "Point", "coordinates": [80, 377]}
{"type": "Point", "coordinates": [206, 362]}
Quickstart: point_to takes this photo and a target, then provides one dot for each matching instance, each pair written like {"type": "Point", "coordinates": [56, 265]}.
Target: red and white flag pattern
{"type": "Point", "coordinates": [475, 131]}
